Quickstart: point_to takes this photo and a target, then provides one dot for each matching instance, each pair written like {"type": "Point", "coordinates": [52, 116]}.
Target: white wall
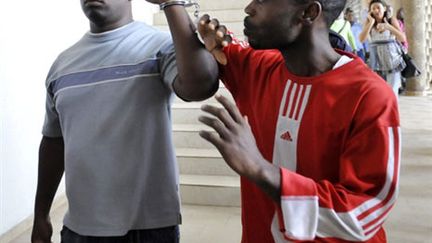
{"type": "Point", "coordinates": [32, 34]}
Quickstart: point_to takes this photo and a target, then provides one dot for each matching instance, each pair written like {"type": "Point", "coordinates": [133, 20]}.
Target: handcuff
{"type": "Point", "coordinates": [185, 3]}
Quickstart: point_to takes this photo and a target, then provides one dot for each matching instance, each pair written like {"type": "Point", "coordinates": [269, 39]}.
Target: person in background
{"type": "Point", "coordinates": [400, 16]}
{"type": "Point", "coordinates": [343, 28]}
{"type": "Point", "coordinates": [384, 33]}
{"type": "Point", "coordinates": [356, 29]}
{"type": "Point", "coordinates": [338, 42]}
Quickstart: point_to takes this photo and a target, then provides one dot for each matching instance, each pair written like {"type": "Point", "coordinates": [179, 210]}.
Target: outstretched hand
{"type": "Point", "coordinates": [214, 36]}
{"type": "Point", "coordinates": [233, 138]}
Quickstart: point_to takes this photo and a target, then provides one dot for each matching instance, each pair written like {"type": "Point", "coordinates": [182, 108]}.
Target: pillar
{"type": "Point", "coordinates": [415, 16]}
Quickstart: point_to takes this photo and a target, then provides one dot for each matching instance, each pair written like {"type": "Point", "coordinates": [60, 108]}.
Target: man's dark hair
{"type": "Point", "coordinates": [332, 9]}
{"type": "Point", "coordinates": [348, 10]}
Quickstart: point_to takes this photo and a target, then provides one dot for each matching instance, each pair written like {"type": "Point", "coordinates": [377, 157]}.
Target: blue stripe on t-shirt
{"type": "Point", "coordinates": [103, 74]}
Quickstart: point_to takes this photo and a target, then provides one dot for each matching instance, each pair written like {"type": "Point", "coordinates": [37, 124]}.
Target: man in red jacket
{"type": "Point", "coordinates": [315, 135]}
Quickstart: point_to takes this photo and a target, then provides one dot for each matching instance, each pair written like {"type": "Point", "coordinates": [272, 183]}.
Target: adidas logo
{"type": "Point", "coordinates": [286, 136]}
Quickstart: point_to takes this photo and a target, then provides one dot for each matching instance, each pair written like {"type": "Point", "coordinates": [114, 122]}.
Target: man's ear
{"type": "Point", "coordinates": [312, 12]}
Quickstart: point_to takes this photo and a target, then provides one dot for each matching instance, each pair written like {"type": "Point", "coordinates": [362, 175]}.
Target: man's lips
{"type": "Point", "coordinates": [93, 2]}
{"type": "Point", "coordinates": [247, 27]}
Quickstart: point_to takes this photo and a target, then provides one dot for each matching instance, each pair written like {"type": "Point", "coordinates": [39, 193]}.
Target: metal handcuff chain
{"type": "Point", "coordinates": [185, 3]}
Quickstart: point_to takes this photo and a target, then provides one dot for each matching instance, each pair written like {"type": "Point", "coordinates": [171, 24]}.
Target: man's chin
{"type": "Point", "coordinates": [255, 44]}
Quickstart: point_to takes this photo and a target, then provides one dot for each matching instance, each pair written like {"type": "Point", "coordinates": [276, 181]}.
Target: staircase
{"type": "Point", "coordinates": [205, 179]}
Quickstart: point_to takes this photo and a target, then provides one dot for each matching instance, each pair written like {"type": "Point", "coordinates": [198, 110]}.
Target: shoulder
{"type": "Point", "coordinates": [150, 33]}
{"type": "Point", "coordinates": [241, 54]}
{"type": "Point", "coordinates": [374, 100]}
{"type": "Point", "coordinates": [371, 87]}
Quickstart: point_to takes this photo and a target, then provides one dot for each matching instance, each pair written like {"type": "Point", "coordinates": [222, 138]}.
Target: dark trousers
{"type": "Point", "coordinates": [160, 235]}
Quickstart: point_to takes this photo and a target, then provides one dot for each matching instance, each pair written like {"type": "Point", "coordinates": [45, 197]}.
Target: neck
{"type": "Point", "coordinates": [107, 26]}
{"type": "Point", "coordinates": [310, 56]}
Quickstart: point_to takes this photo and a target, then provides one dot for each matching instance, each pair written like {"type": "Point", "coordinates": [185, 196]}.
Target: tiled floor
{"type": "Point", "coordinates": [410, 221]}
{"type": "Point", "coordinates": [200, 225]}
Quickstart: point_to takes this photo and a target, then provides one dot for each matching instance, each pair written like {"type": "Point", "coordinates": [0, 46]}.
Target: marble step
{"type": "Point", "coordinates": [202, 162]}
{"type": "Point", "coordinates": [210, 190]}
{"type": "Point", "coordinates": [187, 136]}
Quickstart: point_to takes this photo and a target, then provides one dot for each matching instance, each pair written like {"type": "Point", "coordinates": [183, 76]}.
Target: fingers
{"type": "Point", "coordinates": [212, 138]}
{"type": "Point", "coordinates": [231, 108]}
{"type": "Point", "coordinates": [214, 36]}
{"type": "Point", "coordinates": [204, 19]}
{"type": "Point", "coordinates": [214, 24]}
{"type": "Point", "coordinates": [224, 38]}
{"type": "Point", "coordinates": [224, 117]}
{"type": "Point", "coordinates": [220, 56]}
{"type": "Point", "coordinates": [211, 28]}
{"type": "Point", "coordinates": [216, 124]}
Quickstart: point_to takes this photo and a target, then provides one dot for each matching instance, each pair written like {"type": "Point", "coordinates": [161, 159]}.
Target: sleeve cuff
{"type": "Point", "coordinates": [299, 209]}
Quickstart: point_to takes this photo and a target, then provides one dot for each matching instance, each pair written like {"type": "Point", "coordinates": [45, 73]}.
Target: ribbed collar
{"type": "Point", "coordinates": [113, 34]}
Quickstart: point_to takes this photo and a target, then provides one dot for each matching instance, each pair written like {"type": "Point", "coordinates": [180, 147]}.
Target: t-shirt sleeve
{"type": "Point", "coordinates": [51, 126]}
{"type": "Point", "coordinates": [235, 71]}
{"type": "Point", "coordinates": [167, 63]}
{"type": "Point", "coordinates": [355, 207]}
{"type": "Point", "coordinates": [247, 66]}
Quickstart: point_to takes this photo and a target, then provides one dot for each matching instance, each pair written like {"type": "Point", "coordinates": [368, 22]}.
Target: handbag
{"type": "Point", "coordinates": [411, 70]}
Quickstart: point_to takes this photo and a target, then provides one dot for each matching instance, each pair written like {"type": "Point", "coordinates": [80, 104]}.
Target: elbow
{"type": "Point", "coordinates": [402, 38]}
{"type": "Point", "coordinates": [197, 89]}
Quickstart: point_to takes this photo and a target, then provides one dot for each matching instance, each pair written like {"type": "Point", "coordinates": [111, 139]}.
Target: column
{"type": "Point", "coordinates": [415, 16]}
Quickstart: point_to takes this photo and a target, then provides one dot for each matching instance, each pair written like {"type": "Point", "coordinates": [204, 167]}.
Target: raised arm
{"type": "Point", "coordinates": [367, 27]}
{"type": "Point", "coordinates": [51, 168]}
{"type": "Point", "coordinates": [395, 29]}
{"type": "Point", "coordinates": [197, 69]}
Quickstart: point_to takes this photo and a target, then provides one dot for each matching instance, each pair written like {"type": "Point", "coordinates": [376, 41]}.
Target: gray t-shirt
{"type": "Point", "coordinates": [109, 97]}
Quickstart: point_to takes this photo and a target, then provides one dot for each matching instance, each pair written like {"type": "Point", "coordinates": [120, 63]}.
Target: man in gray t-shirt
{"type": "Point", "coordinates": [108, 127]}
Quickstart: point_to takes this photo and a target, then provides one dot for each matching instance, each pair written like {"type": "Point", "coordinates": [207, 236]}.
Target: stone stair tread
{"type": "Point", "coordinates": [210, 180]}
{"type": "Point", "coordinates": [190, 127]}
{"type": "Point", "coordinates": [198, 152]}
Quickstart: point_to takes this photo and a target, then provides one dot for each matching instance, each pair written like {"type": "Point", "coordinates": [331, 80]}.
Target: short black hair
{"type": "Point", "coordinates": [331, 8]}
{"type": "Point", "coordinates": [348, 10]}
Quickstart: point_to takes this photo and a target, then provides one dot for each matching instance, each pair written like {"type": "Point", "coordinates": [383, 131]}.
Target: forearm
{"type": "Point", "coordinates": [400, 36]}
{"type": "Point", "coordinates": [197, 69]}
{"type": "Point", "coordinates": [51, 168]}
{"type": "Point", "coordinates": [365, 32]}
{"type": "Point", "coordinates": [267, 177]}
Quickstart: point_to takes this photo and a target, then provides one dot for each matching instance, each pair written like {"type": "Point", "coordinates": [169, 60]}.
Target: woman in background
{"type": "Point", "coordinates": [401, 20]}
{"type": "Point", "coordinates": [385, 53]}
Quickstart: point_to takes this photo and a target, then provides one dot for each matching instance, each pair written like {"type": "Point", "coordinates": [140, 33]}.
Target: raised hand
{"type": "Point", "coordinates": [370, 19]}
{"type": "Point", "coordinates": [234, 138]}
{"type": "Point", "coordinates": [381, 27]}
{"type": "Point", "coordinates": [214, 36]}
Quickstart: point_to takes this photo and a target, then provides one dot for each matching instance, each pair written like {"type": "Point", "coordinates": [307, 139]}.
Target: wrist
{"type": "Point", "coordinates": [184, 3]}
